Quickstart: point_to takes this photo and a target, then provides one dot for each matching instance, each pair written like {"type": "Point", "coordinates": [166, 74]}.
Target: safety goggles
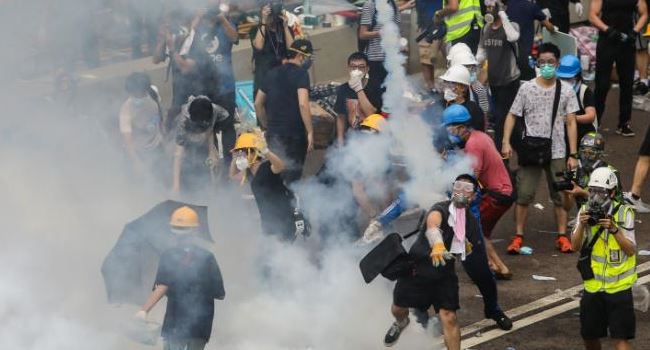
{"type": "Point", "coordinates": [598, 191]}
{"type": "Point", "coordinates": [590, 154]}
{"type": "Point", "coordinates": [551, 62]}
{"type": "Point", "coordinates": [462, 186]}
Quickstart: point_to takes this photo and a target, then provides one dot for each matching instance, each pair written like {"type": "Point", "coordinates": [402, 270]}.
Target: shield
{"type": "Point", "coordinates": [129, 269]}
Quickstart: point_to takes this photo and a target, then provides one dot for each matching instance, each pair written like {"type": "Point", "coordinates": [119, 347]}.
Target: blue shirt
{"type": "Point", "coordinates": [524, 13]}
{"type": "Point", "coordinates": [426, 9]}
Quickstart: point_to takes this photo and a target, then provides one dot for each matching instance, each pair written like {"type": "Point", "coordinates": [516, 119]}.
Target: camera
{"type": "Point", "coordinates": [566, 184]}
{"type": "Point", "coordinates": [276, 8]}
{"type": "Point", "coordinates": [432, 32]}
{"type": "Point", "coordinates": [596, 213]}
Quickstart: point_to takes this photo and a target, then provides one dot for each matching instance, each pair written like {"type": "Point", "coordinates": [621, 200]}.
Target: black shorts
{"type": "Point", "coordinates": [645, 146]}
{"type": "Point", "coordinates": [601, 311]}
{"type": "Point", "coordinates": [418, 292]}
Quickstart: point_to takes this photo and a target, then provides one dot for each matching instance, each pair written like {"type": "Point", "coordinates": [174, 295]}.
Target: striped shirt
{"type": "Point", "coordinates": [374, 50]}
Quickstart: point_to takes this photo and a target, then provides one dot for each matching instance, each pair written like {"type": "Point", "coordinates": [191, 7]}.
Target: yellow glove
{"type": "Point", "coordinates": [468, 247]}
{"type": "Point", "coordinates": [439, 254]}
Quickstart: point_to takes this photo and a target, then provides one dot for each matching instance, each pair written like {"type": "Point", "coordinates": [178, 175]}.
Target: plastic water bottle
{"type": "Point", "coordinates": [531, 62]}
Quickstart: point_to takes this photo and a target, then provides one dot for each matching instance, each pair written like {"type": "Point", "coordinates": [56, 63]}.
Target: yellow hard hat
{"type": "Point", "coordinates": [373, 121]}
{"type": "Point", "coordinates": [647, 31]}
{"type": "Point", "coordinates": [246, 140]}
{"type": "Point", "coordinates": [184, 217]}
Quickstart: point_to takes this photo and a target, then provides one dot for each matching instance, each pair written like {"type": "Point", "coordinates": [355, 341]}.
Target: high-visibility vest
{"type": "Point", "coordinates": [460, 22]}
{"type": "Point", "coordinates": [614, 271]}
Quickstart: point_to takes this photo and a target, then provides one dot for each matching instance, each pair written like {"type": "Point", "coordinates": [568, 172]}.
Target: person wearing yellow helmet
{"type": "Point", "coordinates": [373, 123]}
{"type": "Point", "coordinates": [189, 276]}
{"type": "Point", "coordinates": [253, 160]}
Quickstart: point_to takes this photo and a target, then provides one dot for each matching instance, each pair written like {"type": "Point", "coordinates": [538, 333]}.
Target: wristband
{"type": "Point", "coordinates": [573, 155]}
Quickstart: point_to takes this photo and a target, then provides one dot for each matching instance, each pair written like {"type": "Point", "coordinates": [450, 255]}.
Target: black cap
{"type": "Point", "coordinates": [302, 46]}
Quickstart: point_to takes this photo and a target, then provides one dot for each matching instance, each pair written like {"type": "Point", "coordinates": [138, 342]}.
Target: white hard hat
{"type": "Point", "coordinates": [603, 177]}
{"type": "Point", "coordinates": [457, 74]}
{"type": "Point", "coordinates": [462, 57]}
{"type": "Point", "coordinates": [456, 49]}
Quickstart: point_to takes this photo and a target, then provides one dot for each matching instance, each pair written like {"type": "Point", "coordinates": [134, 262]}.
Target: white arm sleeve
{"type": "Point", "coordinates": [511, 29]}
{"type": "Point", "coordinates": [434, 235]}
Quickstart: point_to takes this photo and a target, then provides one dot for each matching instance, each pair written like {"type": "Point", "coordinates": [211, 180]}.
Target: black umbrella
{"type": "Point", "coordinates": [130, 267]}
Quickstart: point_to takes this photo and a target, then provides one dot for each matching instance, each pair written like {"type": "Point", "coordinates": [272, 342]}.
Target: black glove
{"type": "Point", "coordinates": [613, 34]}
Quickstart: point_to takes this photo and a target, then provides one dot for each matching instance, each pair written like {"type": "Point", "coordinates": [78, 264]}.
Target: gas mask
{"type": "Point", "coordinates": [306, 63]}
{"type": "Point", "coordinates": [599, 199]}
{"type": "Point", "coordinates": [461, 195]}
{"type": "Point", "coordinates": [241, 162]}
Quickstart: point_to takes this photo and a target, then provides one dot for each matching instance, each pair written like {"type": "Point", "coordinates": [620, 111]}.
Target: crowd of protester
{"type": "Point", "coordinates": [499, 101]}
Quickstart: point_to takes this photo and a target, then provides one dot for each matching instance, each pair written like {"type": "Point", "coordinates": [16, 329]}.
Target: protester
{"type": "Point", "coordinates": [356, 99]}
{"type": "Point", "coordinates": [641, 169]}
{"type": "Point", "coordinates": [492, 174]}
{"type": "Point", "coordinates": [219, 34]}
{"type": "Point", "coordinates": [464, 21]}
{"type": "Point", "coordinates": [499, 49]}
{"type": "Point", "coordinates": [641, 60]}
{"type": "Point", "coordinates": [282, 107]}
{"type": "Point", "coordinates": [559, 10]}
{"type": "Point", "coordinates": [253, 161]}
{"type": "Point", "coordinates": [617, 30]}
{"type": "Point", "coordinates": [456, 89]}
{"type": "Point", "coordinates": [477, 91]}
{"type": "Point", "coordinates": [450, 231]}
{"type": "Point", "coordinates": [191, 279]}
{"type": "Point", "coordinates": [428, 51]}
{"type": "Point", "coordinates": [141, 124]}
{"type": "Point", "coordinates": [525, 13]}
{"type": "Point", "coordinates": [270, 40]}
{"type": "Point", "coordinates": [545, 104]}
{"type": "Point", "coordinates": [143, 18]}
{"type": "Point", "coordinates": [605, 237]}
{"type": "Point", "coordinates": [370, 38]}
{"type": "Point", "coordinates": [570, 72]}
{"type": "Point", "coordinates": [195, 154]}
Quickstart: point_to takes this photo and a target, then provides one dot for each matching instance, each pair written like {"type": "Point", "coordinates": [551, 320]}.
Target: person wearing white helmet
{"type": "Point", "coordinates": [456, 86]}
{"type": "Point", "coordinates": [478, 92]}
{"type": "Point", "coordinates": [605, 238]}
{"type": "Point", "coordinates": [499, 47]}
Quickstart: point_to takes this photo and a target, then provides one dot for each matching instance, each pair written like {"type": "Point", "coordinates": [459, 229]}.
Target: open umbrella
{"type": "Point", "coordinates": [130, 267]}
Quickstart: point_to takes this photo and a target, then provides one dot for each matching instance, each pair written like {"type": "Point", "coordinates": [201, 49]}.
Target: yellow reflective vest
{"type": "Point", "coordinates": [460, 23]}
{"type": "Point", "coordinates": [614, 271]}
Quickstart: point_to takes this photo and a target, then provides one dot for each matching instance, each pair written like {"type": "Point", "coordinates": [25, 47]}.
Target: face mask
{"type": "Point", "coordinates": [183, 231]}
{"type": "Point", "coordinates": [241, 163]}
{"type": "Point", "coordinates": [450, 95]}
{"type": "Point", "coordinates": [473, 77]}
{"type": "Point", "coordinates": [137, 101]}
{"type": "Point", "coordinates": [455, 139]}
{"type": "Point", "coordinates": [460, 200]}
{"type": "Point", "coordinates": [489, 18]}
{"type": "Point", "coordinates": [356, 74]}
{"type": "Point", "coordinates": [547, 71]}
{"type": "Point", "coordinates": [306, 64]}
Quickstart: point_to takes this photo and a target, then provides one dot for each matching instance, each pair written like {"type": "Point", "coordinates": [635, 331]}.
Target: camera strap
{"type": "Point", "coordinates": [591, 244]}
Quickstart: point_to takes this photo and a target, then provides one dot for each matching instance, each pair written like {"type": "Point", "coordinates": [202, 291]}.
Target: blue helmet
{"type": "Point", "coordinates": [569, 67]}
{"type": "Point", "coordinates": [455, 114]}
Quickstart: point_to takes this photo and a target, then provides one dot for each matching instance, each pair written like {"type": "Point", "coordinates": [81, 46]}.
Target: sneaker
{"type": "Point", "coordinates": [625, 130]}
{"type": "Point", "coordinates": [504, 322]}
{"type": "Point", "coordinates": [394, 332]}
{"type": "Point", "coordinates": [563, 244]}
{"type": "Point", "coordinates": [640, 88]}
{"type": "Point", "coordinates": [638, 205]}
{"type": "Point", "coordinates": [515, 244]}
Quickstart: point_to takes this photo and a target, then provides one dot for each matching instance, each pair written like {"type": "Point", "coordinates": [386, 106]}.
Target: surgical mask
{"type": "Point", "coordinates": [137, 101]}
{"type": "Point", "coordinates": [450, 95]}
{"type": "Point", "coordinates": [460, 200]}
{"type": "Point", "coordinates": [473, 77]}
{"type": "Point", "coordinates": [183, 231]}
{"type": "Point", "coordinates": [241, 163]}
{"type": "Point", "coordinates": [306, 64]}
{"type": "Point", "coordinates": [547, 71]}
{"type": "Point", "coordinates": [356, 74]}
{"type": "Point", "coordinates": [455, 139]}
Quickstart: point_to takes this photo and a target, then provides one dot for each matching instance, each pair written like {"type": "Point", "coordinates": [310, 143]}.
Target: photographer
{"type": "Point", "coordinates": [605, 238]}
{"type": "Point", "coordinates": [270, 40]}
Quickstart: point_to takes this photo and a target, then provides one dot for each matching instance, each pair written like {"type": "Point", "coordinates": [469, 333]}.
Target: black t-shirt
{"type": "Point", "coordinates": [346, 98]}
{"type": "Point", "coordinates": [201, 81]}
{"type": "Point", "coordinates": [273, 51]}
{"type": "Point", "coordinates": [619, 14]}
{"type": "Point", "coordinates": [478, 117]}
{"type": "Point", "coordinates": [588, 101]}
{"type": "Point", "coordinates": [273, 200]}
{"type": "Point", "coordinates": [281, 86]}
{"type": "Point", "coordinates": [194, 280]}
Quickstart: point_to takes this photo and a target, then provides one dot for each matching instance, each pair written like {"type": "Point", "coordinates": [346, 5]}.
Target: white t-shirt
{"type": "Point", "coordinates": [535, 104]}
{"type": "Point", "coordinates": [141, 118]}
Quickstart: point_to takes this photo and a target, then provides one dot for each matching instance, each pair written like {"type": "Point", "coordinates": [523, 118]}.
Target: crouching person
{"type": "Point", "coordinates": [450, 229]}
{"type": "Point", "coordinates": [605, 237]}
{"type": "Point", "coordinates": [191, 279]}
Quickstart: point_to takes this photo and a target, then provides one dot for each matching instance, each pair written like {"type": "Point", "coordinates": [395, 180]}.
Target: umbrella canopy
{"type": "Point", "coordinates": [129, 269]}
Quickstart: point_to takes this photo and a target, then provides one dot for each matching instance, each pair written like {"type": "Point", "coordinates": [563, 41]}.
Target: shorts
{"type": "Point", "coordinates": [640, 42]}
{"type": "Point", "coordinates": [528, 179]}
{"type": "Point", "coordinates": [491, 212]}
{"type": "Point", "coordinates": [602, 311]}
{"type": "Point", "coordinates": [418, 292]}
{"type": "Point", "coordinates": [428, 52]}
{"type": "Point", "coordinates": [645, 146]}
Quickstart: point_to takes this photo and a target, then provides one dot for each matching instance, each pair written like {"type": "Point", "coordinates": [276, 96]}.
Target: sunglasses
{"type": "Point", "coordinates": [463, 186]}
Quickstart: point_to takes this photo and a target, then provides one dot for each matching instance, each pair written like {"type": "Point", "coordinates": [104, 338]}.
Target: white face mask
{"type": "Point", "coordinates": [241, 163]}
{"type": "Point", "coordinates": [450, 95]}
{"type": "Point", "coordinates": [137, 101]}
{"type": "Point", "coordinates": [356, 74]}
{"type": "Point", "coordinates": [183, 231]}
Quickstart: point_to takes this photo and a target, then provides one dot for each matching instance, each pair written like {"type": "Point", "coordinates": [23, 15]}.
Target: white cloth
{"type": "Point", "coordinates": [457, 245]}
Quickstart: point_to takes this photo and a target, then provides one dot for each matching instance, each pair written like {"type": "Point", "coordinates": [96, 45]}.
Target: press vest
{"type": "Point", "coordinates": [460, 23]}
{"type": "Point", "coordinates": [614, 270]}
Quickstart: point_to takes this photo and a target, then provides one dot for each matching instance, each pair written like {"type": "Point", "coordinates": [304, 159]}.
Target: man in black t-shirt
{"type": "Point", "coordinates": [191, 279]}
{"type": "Point", "coordinates": [355, 100]}
{"type": "Point", "coordinates": [282, 106]}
